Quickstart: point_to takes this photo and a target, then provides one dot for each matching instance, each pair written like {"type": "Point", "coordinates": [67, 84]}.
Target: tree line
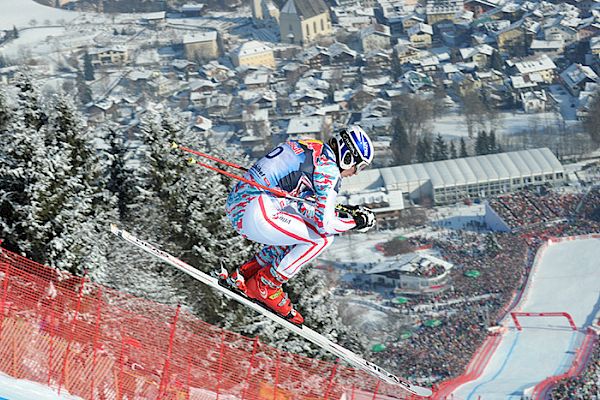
{"type": "Point", "coordinates": [423, 149]}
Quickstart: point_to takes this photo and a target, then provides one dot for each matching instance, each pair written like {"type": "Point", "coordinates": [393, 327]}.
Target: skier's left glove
{"type": "Point", "coordinates": [364, 219]}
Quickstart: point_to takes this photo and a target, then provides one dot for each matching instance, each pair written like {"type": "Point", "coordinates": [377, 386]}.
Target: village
{"type": "Point", "coordinates": [257, 75]}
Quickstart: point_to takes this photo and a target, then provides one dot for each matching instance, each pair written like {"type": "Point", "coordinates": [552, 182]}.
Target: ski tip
{"type": "Point", "coordinates": [191, 161]}
{"type": "Point", "coordinates": [113, 228]}
{"type": "Point", "coordinates": [174, 145]}
{"type": "Point", "coordinates": [422, 391]}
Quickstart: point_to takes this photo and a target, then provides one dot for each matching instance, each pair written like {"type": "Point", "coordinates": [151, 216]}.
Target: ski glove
{"type": "Point", "coordinates": [364, 219]}
{"type": "Point", "coordinates": [362, 216]}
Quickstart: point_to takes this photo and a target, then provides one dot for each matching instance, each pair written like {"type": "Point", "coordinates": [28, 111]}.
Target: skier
{"type": "Point", "coordinates": [294, 232]}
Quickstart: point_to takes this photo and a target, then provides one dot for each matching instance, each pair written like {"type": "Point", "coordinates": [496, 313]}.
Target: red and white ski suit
{"type": "Point", "coordinates": [294, 232]}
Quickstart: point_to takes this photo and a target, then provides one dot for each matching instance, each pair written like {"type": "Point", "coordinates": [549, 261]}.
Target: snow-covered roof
{"type": "Point", "coordinates": [378, 81]}
{"type": "Point", "coordinates": [457, 172]}
{"type": "Point", "coordinates": [469, 52]}
{"type": "Point", "coordinates": [192, 7]}
{"type": "Point", "coordinates": [311, 93]}
{"type": "Point", "coordinates": [252, 47]}
{"type": "Point", "coordinates": [342, 95]}
{"type": "Point", "coordinates": [181, 64]}
{"type": "Point", "coordinates": [305, 8]}
{"type": "Point", "coordinates": [304, 125]}
{"type": "Point", "coordinates": [449, 68]}
{"type": "Point", "coordinates": [408, 263]}
{"type": "Point", "coordinates": [116, 48]}
{"type": "Point", "coordinates": [576, 73]}
{"type": "Point", "coordinates": [420, 28]}
{"type": "Point", "coordinates": [327, 108]}
{"type": "Point", "coordinates": [537, 64]}
{"type": "Point", "coordinates": [337, 49]}
{"type": "Point", "coordinates": [196, 84]}
{"type": "Point", "coordinates": [546, 44]}
{"type": "Point", "coordinates": [198, 37]}
{"type": "Point", "coordinates": [312, 83]}
{"type": "Point", "coordinates": [257, 78]}
{"type": "Point", "coordinates": [158, 15]}
{"type": "Point", "coordinates": [202, 123]}
{"type": "Point", "coordinates": [381, 30]}
{"type": "Point", "coordinates": [136, 75]}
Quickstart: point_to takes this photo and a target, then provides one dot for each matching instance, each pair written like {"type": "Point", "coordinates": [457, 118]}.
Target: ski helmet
{"type": "Point", "coordinates": [354, 148]}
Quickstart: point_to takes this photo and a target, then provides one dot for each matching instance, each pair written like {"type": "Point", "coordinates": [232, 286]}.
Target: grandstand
{"type": "Point", "coordinates": [450, 181]}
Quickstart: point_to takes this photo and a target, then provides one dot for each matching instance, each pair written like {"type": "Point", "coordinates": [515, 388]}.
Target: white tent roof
{"type": "Point", "coordinates": [457, 172]}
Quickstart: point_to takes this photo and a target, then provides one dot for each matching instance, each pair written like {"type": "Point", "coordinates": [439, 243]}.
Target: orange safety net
{"type": "Point", "coordinates": [74, 335]}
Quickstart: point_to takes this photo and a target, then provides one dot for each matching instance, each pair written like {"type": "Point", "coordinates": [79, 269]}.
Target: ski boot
{"type": "Point", "coordinates": [265, 287]}
{"type": "Point", "coordinates": [237, 279]}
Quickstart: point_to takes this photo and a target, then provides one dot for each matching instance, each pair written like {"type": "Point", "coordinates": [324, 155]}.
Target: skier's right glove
{"type": "Point", "coordinates": [364, 219]}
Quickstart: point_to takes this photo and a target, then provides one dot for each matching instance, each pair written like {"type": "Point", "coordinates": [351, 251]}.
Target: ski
{"type": "Point", "coordinates": [302, 330]}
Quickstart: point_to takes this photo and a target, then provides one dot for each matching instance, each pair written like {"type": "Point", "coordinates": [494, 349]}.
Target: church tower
{"type": "Point", "coordinates": [257, 9]}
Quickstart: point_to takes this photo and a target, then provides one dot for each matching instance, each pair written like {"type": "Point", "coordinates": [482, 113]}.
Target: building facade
{"type": "Point", "coordinates": [304, 21]}
{"type": "Point", "coordinates": [203, 45]}
{"type": "Point", "coordinates": [116, 55]}
{"type": "Point", "coordinates": [253, 54]}
{"type": "Point", "coordinates": [443, 10]}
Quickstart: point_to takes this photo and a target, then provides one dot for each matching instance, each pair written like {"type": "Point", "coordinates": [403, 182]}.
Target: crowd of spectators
{"type": "Point", "coordinates": [583, 387]}
{"type": "Point", "coordinates": [473, 304]}
{"type": "Point", "coordinates": [430, 270]}
{"type": "Point", "coordinates": [590, 207]}
{"type": "Point", "coordinates": [529, 207]}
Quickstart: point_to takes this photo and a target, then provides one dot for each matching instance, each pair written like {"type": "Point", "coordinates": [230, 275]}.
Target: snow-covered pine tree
{"type": "Point", "coordinates": [115, 160]}
{"type": "Point", "coordinates": [22, 155]}
{"type": "Point", "coordinates": [72, 204]}
{"type": "Point", "coordinates": [142, 164]}
{"type": "Point", "coordinates": [181, 208]}
{"type": "Point", "coordinates": [5, 112]}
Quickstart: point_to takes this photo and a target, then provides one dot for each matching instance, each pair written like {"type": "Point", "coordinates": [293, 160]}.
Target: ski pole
{"type": "Point", "coordinates": [176, 146]}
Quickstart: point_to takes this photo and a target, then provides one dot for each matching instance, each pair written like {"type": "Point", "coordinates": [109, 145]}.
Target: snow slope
{"type": "Point", "coordinates": [566, 280]}
{"type": "Point", "coordinates": [18, 389]}
{"type": "Point", "coordinates": [20, 13]}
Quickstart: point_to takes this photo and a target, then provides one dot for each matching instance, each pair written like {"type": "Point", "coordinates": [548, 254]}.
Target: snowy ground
{"type": "Point", "coordinates": [17, 389]}
{"type": "Point", "coordinates": [566, 281]}
{"type": "Point", "coordinates": [27, 13]}
{"type": "Point", "coordinates": [453, 125]}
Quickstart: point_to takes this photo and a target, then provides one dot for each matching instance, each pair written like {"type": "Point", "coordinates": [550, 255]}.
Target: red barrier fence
{"type": "Point", "coordinates": [515, 316]}
{"type": "Point", "coordinates": [98, 343]}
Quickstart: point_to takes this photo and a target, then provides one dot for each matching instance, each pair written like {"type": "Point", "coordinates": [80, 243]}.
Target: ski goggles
{"type": "Point", "coordinates": [361, 166]}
